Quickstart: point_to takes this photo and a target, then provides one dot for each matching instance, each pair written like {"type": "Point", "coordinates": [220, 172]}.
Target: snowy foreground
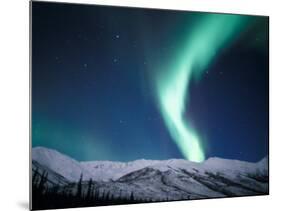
{"type": "Point", "coordinates": [164, 180]}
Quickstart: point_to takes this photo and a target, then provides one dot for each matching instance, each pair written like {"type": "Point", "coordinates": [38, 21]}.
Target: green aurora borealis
{"type": "Point", "coordinates": [209, 35]}
{"type": "Point", "coordinates": [121, 84]}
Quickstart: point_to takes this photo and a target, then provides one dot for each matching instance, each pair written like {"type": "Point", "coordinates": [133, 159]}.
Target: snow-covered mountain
{"type": "Point", "coordinates": [158, 180]}
{"type": "Point", "coordinates": [59, 163]}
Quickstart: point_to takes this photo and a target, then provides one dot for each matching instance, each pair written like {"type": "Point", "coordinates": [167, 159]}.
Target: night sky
{"type": "Point", "coordinates": [93, 83]}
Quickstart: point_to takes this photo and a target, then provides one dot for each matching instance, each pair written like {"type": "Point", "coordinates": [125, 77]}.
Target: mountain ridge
{"type": "Point", "coordinates": [112, 170]}
{"type": "Point", "coordinates": [151, 180]}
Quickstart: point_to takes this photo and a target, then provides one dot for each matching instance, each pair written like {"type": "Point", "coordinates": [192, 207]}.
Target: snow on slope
{"type": "Point", "coordinates": [152, 184]}
{"type": "Point", "coordinates": [53, 178]}
{"type": "Point", "coordinates": [59, 163]}
{"type": "Point", "coordinates": [110, 170]}
{"type": "Point", "coordinates": [173, 179]}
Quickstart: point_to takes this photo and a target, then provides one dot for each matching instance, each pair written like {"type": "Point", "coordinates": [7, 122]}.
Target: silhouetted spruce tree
{"type": "Point", "coordinates": [107, 196]}
{"type": "Point", "coordinates": [102, 198]}
{"type": "Point", "coordinates": [132, 197]}
{"type": "Point", "coordinates": [79, 187]}
{"type": "Point", "coordinates": [42, 182]}
{"type": "Point", "coordinates": [89, 192]}
{"type": "Point", "coordinates": [119, 198]}
{"type": "Point", "coordinates": [34, 176]}
{"type": "Point", "coordinates": [97, 194]}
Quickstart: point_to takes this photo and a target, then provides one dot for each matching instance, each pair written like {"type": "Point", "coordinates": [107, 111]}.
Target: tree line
{"type": "Point", "coordinates": [55, 196]}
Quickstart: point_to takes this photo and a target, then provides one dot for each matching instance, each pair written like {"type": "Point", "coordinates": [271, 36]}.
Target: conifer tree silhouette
{"type": "Point", "coordinates": [79, 187]}
{"type": "Point", "coordinates": [89, 192]}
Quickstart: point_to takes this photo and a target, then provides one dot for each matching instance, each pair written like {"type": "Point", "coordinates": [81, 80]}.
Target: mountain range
{"type": "Point", "coordinates": [156, 180]}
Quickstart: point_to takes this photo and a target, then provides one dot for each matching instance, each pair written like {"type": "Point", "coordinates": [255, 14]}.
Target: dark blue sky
{"type": "Point", "coordinates": [91, 92]}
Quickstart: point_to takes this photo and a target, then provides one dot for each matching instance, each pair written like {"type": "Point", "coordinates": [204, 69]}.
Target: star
{"type": "Point", "coordinates": [117, 36]}
{"type": "Point", "coordinates": [57, 59]}
{"type": "Point", "coordinates": [115, 60]}
{"type": "Point", "coordinates": [85, 65]}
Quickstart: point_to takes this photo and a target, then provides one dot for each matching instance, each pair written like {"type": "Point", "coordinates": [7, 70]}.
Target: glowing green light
{"type": "Point", "coordinates": [172, 82]}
